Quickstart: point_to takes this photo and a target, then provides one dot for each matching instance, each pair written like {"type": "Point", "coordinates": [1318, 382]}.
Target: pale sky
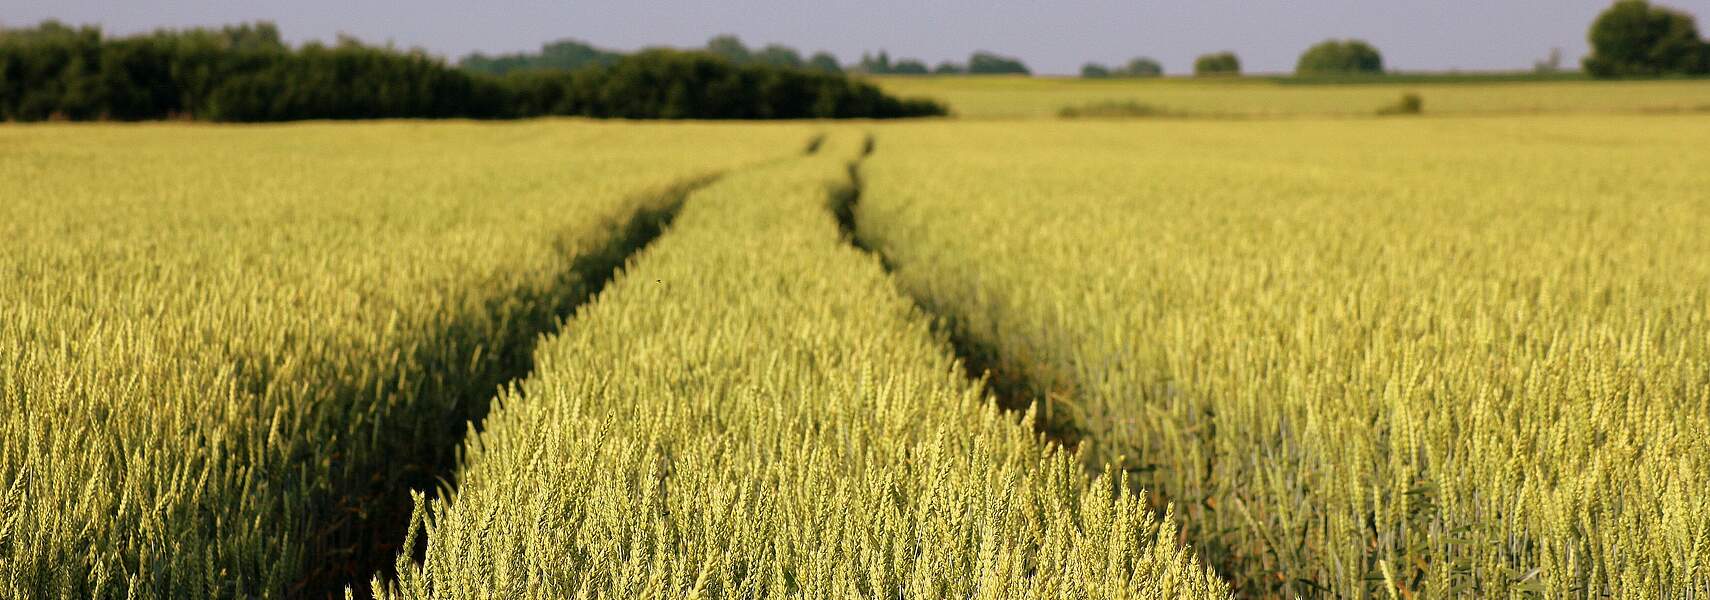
{"type": "Point", "coordinates": [1051, 37]}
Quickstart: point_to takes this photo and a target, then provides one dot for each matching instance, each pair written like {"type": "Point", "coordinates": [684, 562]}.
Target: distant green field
{"type": "Point", "coordinates": [1007, 97]}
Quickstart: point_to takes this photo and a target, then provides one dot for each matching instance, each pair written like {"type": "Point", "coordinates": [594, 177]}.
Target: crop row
{"type": "Point", "coordinates": [227, 353]}
{"type": "Point", "coordinates": [1367, 358]}
{"type": "Point", "coordinates": [752, 410]}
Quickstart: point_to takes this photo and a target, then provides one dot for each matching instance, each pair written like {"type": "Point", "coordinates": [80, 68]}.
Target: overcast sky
{"type": "Point", "coordinates": [1052, 37]}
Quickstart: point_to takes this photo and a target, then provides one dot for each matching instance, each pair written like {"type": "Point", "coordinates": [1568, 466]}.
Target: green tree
{"type": "Point", "coordinates": [728, 47]}
{"type": "Point", "coordinates": [877, 65]}
{"type": "Point", "coordinates": [825, 62]}
{"type": "Point", "coordinates": [909, 66]}
{"type": "Point", "coordinates": [1632, 38]}
{"type": "Point", "coordinates": [1217, 64]}
{"type": "Point", "coordinates": [949, 68]}
{"type": "Point", "coordinates": [986, 63]}
{"type": "Point", "coordinates": [1339, 57]}
{"type": "Point", "coordinates": [1142, 67]}
{"type": "Point", "coordinates": [778, 55]}
{"type": "Point", "coordinates": [1094, 71]}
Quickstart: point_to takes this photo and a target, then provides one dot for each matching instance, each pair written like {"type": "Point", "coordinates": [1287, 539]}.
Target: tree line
{"type": "Point", "coordinates": [248, 73]}
{"type": "Point", "coordinates": [570, 54]}
{"type": "Point", "coordinates": [1631, 38]}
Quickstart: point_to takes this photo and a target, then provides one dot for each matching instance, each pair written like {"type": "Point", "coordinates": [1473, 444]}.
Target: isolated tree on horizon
{"type": "Point", "coordinates": [987, 63]}
{"type": "Point", "coordinates": [1340, 57]}
{"type": "Point", "coordinates": [1217, 64]}
{"type": "Point", "coordinates": [1136, 67]}
{"type": "Point", "coordinates": [1142, 66]}
{"type": "Point", "coordinates": [1632, 38]}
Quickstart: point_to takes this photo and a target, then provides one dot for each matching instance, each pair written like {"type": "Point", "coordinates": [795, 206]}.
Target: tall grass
{"type": "Point", "coordinates": [225, 353]}
{"type": "Point", "coordinates": [1388, 358]}
{"type": "Point", "coordinates": [753, 411]}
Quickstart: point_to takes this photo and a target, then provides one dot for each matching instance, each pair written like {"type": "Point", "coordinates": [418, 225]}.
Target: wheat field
{"type": "Point", "coordinates": [225, 352]}
{"type": "Point", "coordinates": [1464, 357]}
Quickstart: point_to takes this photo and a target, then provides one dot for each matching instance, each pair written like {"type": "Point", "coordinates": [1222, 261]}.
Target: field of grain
{"type": "Point", "coordinates": [227, 353]}
{"type": "Point", "coordinates": [989, 97]}
{"type": "Point", "coordinates": [753, 411]}
{"type": "Point", "coordinates": [1000, 356]}
{"type": "Point", "coordinates": [1439, 357]}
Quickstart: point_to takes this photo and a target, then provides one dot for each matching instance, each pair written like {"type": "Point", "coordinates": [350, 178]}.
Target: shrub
{"type": "Point", "coordinates": [986, 63]}
{"type": "Point", "coordinates": [1217, 64]}
{"type": "Point", "coordinates": [1144, 67]}
{"type": "Point", "coordinates": [1409, 104]}
{"type": "Point", "coordinates": [1138, 67]}
{"type": "Point", "coordinates": [1339, 56]}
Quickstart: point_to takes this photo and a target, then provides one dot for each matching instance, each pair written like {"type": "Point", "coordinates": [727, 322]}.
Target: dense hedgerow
{"type": "Point", "coordinates": [226, 354]}
{"type": "Point", "coordinates": [1370, 359]}
{"type": "Point", "coordinates": [246, 73]}
{"type": "Point", "coordinates": [752, 411]}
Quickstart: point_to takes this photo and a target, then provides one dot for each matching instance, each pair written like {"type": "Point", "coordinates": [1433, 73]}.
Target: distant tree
{"type": "Point", "coordinates": [986, 63]}
{"type": "Point", "coordinates": [564, 55]}
{"type": "Point", "coordinates": [778, 55]}
{"type": "Point", "coordinates": [877, 65]}
{"type": "Point", "coordinates": [1142, 67]}
{"type": "Point", "coordinates": [1634, 39]}
{"type": "Point", "coordinates": [824, 61]}
{"type": "Point", "coordinates": [1217, 64]}
{"type": "Point", "coordinates": [1338, 57]}
{"type": "Point", "coordinates": [1550, 64]}
{"type": "Point", "coordinates": [1138, 67]}
{"type": "Point", "coordinates": [1094, 71]}
{"type": "Point", "coordinates": [949, 68]}
{"type": "Point", "coordinates": [909, 66]}
{"type": "Point", "coordinates": [728, 47]}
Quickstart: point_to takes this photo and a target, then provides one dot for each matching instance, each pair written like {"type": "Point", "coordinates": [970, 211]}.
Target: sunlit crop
{"type": "Point", "coordinates": [1391, 358]}
{"type": "Point", "coordinates": [222, 350]}
{"type": "Point", "coordinates": [752, 410]}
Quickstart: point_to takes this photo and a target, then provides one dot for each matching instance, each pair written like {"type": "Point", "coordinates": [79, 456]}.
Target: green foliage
{"type": "Point", "coordinates": [949, 68]}
{"type": "Point", "coordinates": [228, 353]}
{"type": "Point", "coordinates": [1632, 38]}
{"type": "Point", "coordinates": [1217, 64]}
{"type": "Point", "coordinates": [682, 85]}
{"type": "Point", "coordinates": [1142, 67]}
{"type": "Point", "coordinates": [1339, 57]}
{"type": "Point", "coordinates": [1364, 358]}
{"type": "Point", "coordinates": [753, 411]}
{"type": "Point", "coordinates": [730, 48]}
{"type": "Point", "coordinates": [824, 62]}
{"type": "Point", "coordinates": [1138, 67]}
{"type": "Point", "coordinates": [986, 63]}
{"type": "Point", "coordinates": [778, 56]}
{"type": "Point", "coordinates": [1409, 104]}
{"type": "Point", "coordinates": [246, 74]}
{"type": "Point", "coordinates": [1094, 71]}
{"type": "Point", "coordinates": [565, 55]}
{"type": "Point", "coordinates": [909, 66]}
